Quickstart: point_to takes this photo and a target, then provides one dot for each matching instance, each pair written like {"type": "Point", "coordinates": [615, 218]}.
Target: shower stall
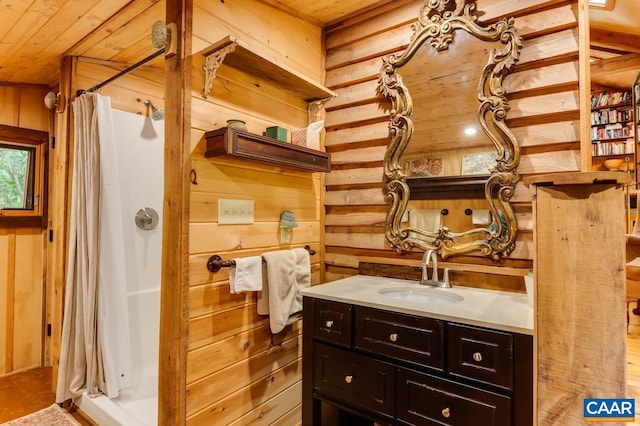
{"type": "Point", "coordinates": [131, 224]}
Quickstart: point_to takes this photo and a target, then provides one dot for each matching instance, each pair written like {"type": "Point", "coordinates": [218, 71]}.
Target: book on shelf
{"type": "Point", "coordinates": [612, 131]}
{"type": "Point", "coordinates": [611, 115]}
{"type": "Point", "coordinates": [599, 148]}
{"type": "Point", "coordinates": [605, 98]}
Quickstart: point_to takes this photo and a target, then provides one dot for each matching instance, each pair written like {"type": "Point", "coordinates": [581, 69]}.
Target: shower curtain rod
{"type": "Point", "coordinates": [121, 73]}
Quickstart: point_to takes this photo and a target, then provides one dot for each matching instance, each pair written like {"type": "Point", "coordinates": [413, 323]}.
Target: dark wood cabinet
{"type": "Point", "coordinates": [423, 399]}
{"type": "Point", "coordinates": [402, 337]}
{"type": "Point", "coordinates": [354, 379]}
{"type": "Point", "coordinates": [392, 368]}
{"type": "Point", "coordinates": [481, 355]}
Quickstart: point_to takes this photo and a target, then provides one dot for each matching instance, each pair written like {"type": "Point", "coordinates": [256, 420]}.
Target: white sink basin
{"type": "Point", "coordinates": [419, 294]}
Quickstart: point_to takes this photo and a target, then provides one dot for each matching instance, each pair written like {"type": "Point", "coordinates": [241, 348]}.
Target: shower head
{"type": "Point", "coordinates": [156, 113]}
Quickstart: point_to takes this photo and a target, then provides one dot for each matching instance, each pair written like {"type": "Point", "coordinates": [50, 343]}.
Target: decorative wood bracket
{"type": "Point", "coordinates": [211, 64]}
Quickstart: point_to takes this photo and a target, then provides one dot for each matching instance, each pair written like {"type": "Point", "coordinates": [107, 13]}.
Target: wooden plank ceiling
{"type": "Point", "coordinates": [36, 34]}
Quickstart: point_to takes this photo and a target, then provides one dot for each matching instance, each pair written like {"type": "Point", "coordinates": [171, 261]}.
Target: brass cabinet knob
{"type": "Point", "coordinates": [446, 413]}
{"type": "Point", "coordinates": [348, 379]}
{"type": "Point", "coordinates": [329, 324]}
{"type": "Point", "coordinates": [477, 357]}
{"type": "Point", "coordinates": [393, 337]}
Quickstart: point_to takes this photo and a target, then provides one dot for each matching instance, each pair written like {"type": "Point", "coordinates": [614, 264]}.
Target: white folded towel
{"type": "Point", "coordinates": [288, 271]}
{"type": "Point", "coordinates": [425, 219]}
{"type": "Point", "coordinates": [246, 275]}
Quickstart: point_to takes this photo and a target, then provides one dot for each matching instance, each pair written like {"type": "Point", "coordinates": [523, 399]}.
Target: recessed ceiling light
{"type": "Point", "coordinates": [470, 131]}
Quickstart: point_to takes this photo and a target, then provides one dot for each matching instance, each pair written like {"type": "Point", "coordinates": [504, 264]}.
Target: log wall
{"type": "Point", "coordinates": [544, 115]}
{"type": "Point", "coordinates": [22, 253]}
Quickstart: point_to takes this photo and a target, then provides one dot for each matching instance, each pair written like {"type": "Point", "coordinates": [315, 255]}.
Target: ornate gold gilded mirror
{"type": "Point", "coordinates": [476, 73]}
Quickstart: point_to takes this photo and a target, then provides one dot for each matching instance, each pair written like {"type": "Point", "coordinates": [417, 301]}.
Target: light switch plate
{"type": "Point", "coordinates": [235, 212]}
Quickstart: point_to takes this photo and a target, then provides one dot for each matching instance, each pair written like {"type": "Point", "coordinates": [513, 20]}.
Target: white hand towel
{"type": "Point", "coordinates": [425, 219]}
{"type": "Point", "coordinates": [246, 275]}
{"type": "Point", "coordinates": [288, 271]}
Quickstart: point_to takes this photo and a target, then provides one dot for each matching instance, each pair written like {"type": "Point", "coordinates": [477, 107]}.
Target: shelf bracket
{"type": "Point", "coordinates": [316, 109]}
{"type": "Point", "coordinates": [211, 64]}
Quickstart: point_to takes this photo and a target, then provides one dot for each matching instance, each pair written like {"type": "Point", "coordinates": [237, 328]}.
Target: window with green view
{"type": "Point", "coordinates": [16, 176]}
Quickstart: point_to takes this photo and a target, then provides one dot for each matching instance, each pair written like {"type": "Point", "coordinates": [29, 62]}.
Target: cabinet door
{"type": "Point", "coordinates": [482, 355]}
{"type": "Point", "coordinates": [354, 380]}
{"type": "Point", "coordinates": [332, 322]}
{"type": "Point", "coordinates": [404, 337]}
{"type": "Point", "coordinates": [422, 399]}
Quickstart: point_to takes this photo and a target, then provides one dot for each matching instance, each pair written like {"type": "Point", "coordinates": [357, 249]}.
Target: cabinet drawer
{"type": "Point", "coordinates": [404, 337]}
{"type": "Point", "coordinates": [422, 399]}
{"type": "Point", "coordinates": [483, 355]}
{"type": "Point", "coordinates": [353, 379]}
{"type": "Point", "coordinates": [332, 322]}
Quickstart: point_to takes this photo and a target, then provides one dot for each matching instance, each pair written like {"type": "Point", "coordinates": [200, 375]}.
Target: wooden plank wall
{"type": "Point", "coordinates": [237, 372]}
{"type": "Point", "coordinates": [22, 253]}
{"type": "Point", "coordinates": [543, 94]}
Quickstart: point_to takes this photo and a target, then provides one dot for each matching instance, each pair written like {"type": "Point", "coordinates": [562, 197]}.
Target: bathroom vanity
{"type": "Point", "coordinates": [390, 351]}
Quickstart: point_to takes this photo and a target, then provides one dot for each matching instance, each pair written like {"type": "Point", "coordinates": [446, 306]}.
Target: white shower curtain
{"type": "Point", "coordinates": [95, 297]}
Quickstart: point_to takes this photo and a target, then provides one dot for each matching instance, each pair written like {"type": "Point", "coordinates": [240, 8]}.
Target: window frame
{"type": "Point", "coordinates": [36, 140]}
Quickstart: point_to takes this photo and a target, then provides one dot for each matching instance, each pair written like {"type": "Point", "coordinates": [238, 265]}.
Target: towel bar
{"type": "Point", "coordinates": [215, 262]}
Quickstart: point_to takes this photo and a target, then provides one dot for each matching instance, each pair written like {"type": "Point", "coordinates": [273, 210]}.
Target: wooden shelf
{"type": "Point", "coordinates": [241, 144]}
{"type": "Point", "coordinates": [236, 54]}
{"type": "Point", "coordinates": [613, 106]}
{"type": "Point", "coordinates": [448, 187]}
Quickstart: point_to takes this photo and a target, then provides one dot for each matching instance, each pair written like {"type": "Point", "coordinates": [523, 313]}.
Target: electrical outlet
{"type": "Point", "coordinates": [235, 212]}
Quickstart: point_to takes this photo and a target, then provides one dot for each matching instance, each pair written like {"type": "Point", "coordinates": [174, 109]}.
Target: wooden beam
{"type": "Point", "coordinates": [584, 88]}
{"type": "Point", "coordinates": [59, 208]}
{"type": "Point", "coordinates": [618, 41]}
{"type": "Point", "coordinates": [618, 64]}
{"type": "Point", "coordinates": [174, 309]}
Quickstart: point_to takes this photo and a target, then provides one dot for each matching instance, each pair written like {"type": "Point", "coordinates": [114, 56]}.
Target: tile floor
{"type": "Point", "coordinates": [24, 393]}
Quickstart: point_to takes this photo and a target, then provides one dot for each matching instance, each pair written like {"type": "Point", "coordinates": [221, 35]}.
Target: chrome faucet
{"type": "Point", "coordinates": [432, 256]}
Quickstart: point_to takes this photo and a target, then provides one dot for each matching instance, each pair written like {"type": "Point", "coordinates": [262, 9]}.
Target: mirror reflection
{"type": "Point", "coordinates": [445, 114]}
{"type": "Point", "coordinates": [448, 132]}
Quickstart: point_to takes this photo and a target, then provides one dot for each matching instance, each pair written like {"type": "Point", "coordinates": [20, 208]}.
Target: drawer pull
{"type": "Point", "coordinates": [393, 337]}
{"type": "Point", "coordinates": [446, 413]}
{"type": "Point", "coordinates": [329, 324]}
{"type": "Point", "coordinates": [348, 379]}
{"type": "Point", "coordinates": [477, 357]}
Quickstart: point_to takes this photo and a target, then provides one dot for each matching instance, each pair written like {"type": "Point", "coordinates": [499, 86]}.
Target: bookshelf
{"type": "Point", "coordinates": [613, 128]}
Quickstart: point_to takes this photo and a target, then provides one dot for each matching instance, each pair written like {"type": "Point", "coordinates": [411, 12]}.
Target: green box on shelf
{"type": "Point", "coordinates": [277, 132]}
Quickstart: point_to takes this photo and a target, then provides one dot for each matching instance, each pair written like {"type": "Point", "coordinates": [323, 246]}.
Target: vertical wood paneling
{"type": "Point", "coordinates": [22, 264]}
{"type": "Point", "coordinates": [544, 114]}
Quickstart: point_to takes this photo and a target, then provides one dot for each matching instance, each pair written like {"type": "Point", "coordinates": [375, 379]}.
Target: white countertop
{"type": "Point", "coordinates": [500, 310]}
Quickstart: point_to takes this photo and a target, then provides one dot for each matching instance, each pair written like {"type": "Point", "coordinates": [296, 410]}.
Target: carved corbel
{"type": "Point", "coordinates": [316, 109]}
{"type": "Point", "coordinates": [211, 64]}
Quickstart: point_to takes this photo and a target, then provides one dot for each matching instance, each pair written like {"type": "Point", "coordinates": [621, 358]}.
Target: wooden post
{"type": "Point", "coordinates": [174, 310]}
{"type": "Point", "coordinates": [60, 159]}
{"type": "Point", "coordinates": [580, 333]}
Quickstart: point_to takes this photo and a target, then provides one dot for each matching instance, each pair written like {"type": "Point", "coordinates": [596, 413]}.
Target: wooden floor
{"type": "Point", "coordinates": [24, 393]}
{"type": "Point", "coordinates": [633, 362]}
